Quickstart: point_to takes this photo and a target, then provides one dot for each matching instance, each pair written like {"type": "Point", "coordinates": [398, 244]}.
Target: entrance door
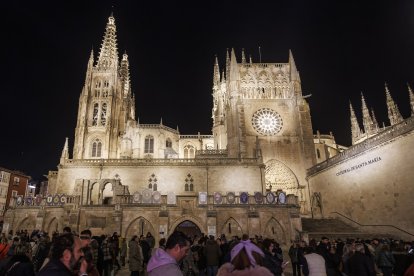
{"type": "Point", "coordinates": [189, 228]}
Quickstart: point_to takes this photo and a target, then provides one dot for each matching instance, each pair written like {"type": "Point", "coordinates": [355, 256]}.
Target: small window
{"type": "Point", "coordinates": [16, 181]}
{"type": "Point", "coordinates": [189, 151]}
{"type": "Point", "coordinates": [149, 144]}
{"type": "Point", "coordinates": [103, 114]}
{"type": "Point", "coordinates": [95, 114]}
{"type": "Point", "coordinates": [96, 148]}
{"type": "Point", "coordinates": [168, 143]}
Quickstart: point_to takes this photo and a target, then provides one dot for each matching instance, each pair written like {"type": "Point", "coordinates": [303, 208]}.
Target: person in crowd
{"type": "Point", "coordinates": [212, 254]}
{"type": "Point", "coordinates": [15, 242]}
{"type": "Point", "coordinates": [348, 251]}
{"type": "Point", "coordinates": [270, 261]}
{"type": "Point", "coordinates": [91, 269]}
{"type": "Point", "coordinates": [4, 248]}
{"type": "Point", "coordinates": [246, 259]}
{"type": "Point", "coordinates": [20, 263]}
{"type": "Point", "coordinates": [67, 229]}
{"type": "Point", "coordinates": [294, 258]}
{"type": "Point", "coordinates": [188, 265]}
{"type": "Point", "coordinates": [85, 236]}
{"type": "Point", "coordinates": [312, 264]}
{"type": "Point", "coordinates": [150, 240]}
{"type": "Point", "coordinates": [114, 243]}
{"type": "Point", "coordinates": [107, 255]}
{"type": "Point", "coordinates": [385, 260]}
{"type": "Point", "coordinates": [136, 258]}
{"type": "Point", "coordinates": [65, 254]}
{"type": "Point", "coordinates": [42, 251]}
{"type": "Point", "coordinates": [165, 262]}
{"type": "Point", "coordinates": [123, 251]}
{"type": "Point", "coordinates": [146, 249]}
{"type": "Point", "coordinates": [95, 247]}
{"type": "Point", "coordinates": [359, 264]}
{"type": "Point", "coordinates": [333, 262]}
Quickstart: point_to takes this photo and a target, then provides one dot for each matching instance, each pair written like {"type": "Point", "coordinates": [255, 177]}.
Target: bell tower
{"type": "Point", "coordinates": [106, 102]}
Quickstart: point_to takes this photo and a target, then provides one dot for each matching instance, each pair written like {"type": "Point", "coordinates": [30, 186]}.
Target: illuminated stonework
{"type": "Point", "coordinates": [267, 121]}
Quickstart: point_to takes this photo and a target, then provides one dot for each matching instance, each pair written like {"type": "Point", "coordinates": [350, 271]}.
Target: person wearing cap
{"type": "Point", "coordinates": [246, 259]}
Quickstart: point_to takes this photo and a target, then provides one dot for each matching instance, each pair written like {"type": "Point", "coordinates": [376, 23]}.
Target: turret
{"type": "Point", "coordinates": [366, 118]}
{"type": "Point", "coordinates": [393, 113]}
{"type": "Point", "coordinates": [65, 152]}
{"type": "Point", "coordinates": [355, 129]}
{"type": "Point", "coordinates": [124, 72]}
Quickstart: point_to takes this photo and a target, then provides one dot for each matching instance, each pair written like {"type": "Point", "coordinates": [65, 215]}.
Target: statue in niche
{"type": "Point", "coordinates": [317, 205]}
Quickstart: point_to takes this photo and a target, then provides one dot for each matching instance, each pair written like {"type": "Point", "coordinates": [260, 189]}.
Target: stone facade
{"type": "Point", "coordinates": [370, 183]}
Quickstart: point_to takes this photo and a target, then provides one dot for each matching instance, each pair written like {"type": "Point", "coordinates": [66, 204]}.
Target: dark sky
{"type": "Point", "coordinates": [340, 47]}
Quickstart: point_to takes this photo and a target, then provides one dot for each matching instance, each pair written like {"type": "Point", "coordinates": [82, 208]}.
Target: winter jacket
{"type": "Point", "coordinates": [162, 264]}
{"type": "Point", "coordinates": [212, 252]}
{"type": "Point", "coordinates": [360, 265]}
{"type": "Point", "coordinates": [17, 266]}
{"type": "Point", "coordinates": [314, 265]}
{"type": "Point", "coordinates": [272, 263]}
{"type": "Point", "coordinates": [228, 270]}
{"type": "Point", "coordinates": [385, 259]}
{"type": "Point", "coordinates": [136, 258]}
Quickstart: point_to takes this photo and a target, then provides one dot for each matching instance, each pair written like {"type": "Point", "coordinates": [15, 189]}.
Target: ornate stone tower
{"type": "Point", "coordinates": [106, 102]}
{"type": "Point", "coordinates": [260, 111]}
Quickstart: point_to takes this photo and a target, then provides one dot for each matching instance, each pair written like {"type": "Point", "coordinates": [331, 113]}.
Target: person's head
{"type": "Point", "coordinates": [85, 237]}
{"type": "Point", "coordinates": [177, 245]}
{"type": "Point", "coordinates": [324, 240]}
{"type": "Point", "coordinates": [149, 235]}
{"type": "Point", "coordinates": [359, 247]}
{"type": "Point", "coordinates": [134, 238]}
{"type": "Point", "coordinates": [68, 249]}
{"type": "Point", "coordinates": [246, 254]}
{"type": "Point", "coordinates": [308, 250]}
{"type": "Point", "coordinates": [67, 229]}
{"type": "Point", "coordinates": [268, 245]}
{"type": "Point", "coordinates": [23, 249]}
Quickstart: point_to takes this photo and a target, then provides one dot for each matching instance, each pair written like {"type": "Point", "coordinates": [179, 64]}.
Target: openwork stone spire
{"type": "Point", "coordinates": [65, 152]}
{"type": "Point", "coordinates": [366, 118]}
{"type": "Point", "coordinates": [124, 71]}
{"type": "Point", "coordinates": [355, 129]}
{"type": "Point", "coordinates": [411, 99]}
{"type": "Point", "coordinates": [216, 77]}
{"type": "Point", "coordinates": [394, 114]}
{"type": "Point", "coordinates": [243, 57]}
{"type": "Point", "coordinates": [108, 56]}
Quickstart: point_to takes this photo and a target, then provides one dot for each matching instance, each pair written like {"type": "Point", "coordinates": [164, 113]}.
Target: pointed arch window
{"type": "Point", "coordinates": [152, 183]}
{"type": "Point", "coordinates": [97, 88]}
{"type": "Point", "coordinates": [149, 144]}
{"type": "Point", "coordinates": [189, 183]}
{"type": "Point", "coordinates": [168, 143]}
{"type": "Point", "coordinates": [189, 151]}
{"type": "Point", "coordinates": [96, 148]}
{"type": "Point", "coordinates": [95, 114]}
{"type": "Point", "coordinates": [103, 114]}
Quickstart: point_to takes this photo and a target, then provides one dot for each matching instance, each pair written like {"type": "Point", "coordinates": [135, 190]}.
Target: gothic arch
{"type": "Point", "coordinates": [274, 229]}
{"type": "Point", "coordinates": [183, 218]}
{"type": "Point", "coordinates": [231, 228]}
{"type": "Point", "coordinates": [27, 223]}
{"type": "Point", "coordinates": [52, 226]}
{"type": "Point", "coordinates": [138, 226]}
{"type": "Point", "coordinates": [280, 176]}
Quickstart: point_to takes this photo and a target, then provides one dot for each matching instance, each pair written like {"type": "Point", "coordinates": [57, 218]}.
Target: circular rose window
{"type": "Point", "coordinates": [267, 121]}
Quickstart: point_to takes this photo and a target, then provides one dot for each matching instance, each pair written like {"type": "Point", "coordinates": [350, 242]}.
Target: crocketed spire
{"type": "Point", "coordinates": [366, 118]}
{"type": "Point", "coordinates": [394, 114]}
{"type": "Point", "coordinates": [355, 129]}
{"type": "Point", "coordinates": [108, 56]}
{"type": "Point", "coordinates": [124, 72]}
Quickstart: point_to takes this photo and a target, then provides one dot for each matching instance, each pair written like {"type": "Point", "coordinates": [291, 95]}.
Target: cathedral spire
{"type": "Point", "coordinates": [243, 57]}
{"type": "Point", "coordinates": [355, 129]}
{"type": "Point", "coordinates": [216, 77]}
{"type": "Point", "coordinates": [124, 72]}
{"type": "Point", "coordinates": [366, 117]}
{"type": "Point", "coordinates": [234, 67]}
{"type": "Point", "coordinates": [374, 120]}
{"type": "Point", "coordinates": [294, 74]}
{"type": "Point", "coordinates": [227, 64]}
{"type": "Point", "coordinates": [410, 91]}
{"type": "Point", "coordinates": [90, 62]}
{"type": "Point", "coordinates": [394, 114]}
{"type": "Point", "coordinates": [65, 152]}
{"type": "Point", "coordinates": [108, 56]}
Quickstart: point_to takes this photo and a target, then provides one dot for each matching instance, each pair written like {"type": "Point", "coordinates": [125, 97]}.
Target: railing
{"type": "Point", "coordinates": [390, 133]}
{"type": "Point", "coordinates": [160, 162]}
{"type": "Point", "coordinates": [211, 152]}
{"type": "Point", "coordinates": [373, 225]}
{"type": "Point", "coordinates": [196, 136]}
{"type": "Point", "coordinates": [158, 126]}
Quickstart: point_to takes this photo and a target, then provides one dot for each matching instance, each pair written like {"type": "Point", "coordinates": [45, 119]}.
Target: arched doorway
{"type": "Point", "coordinates": [139, 226]}
{"type": "Point", "coordinates": [107, 194]}
{"type": "Point", "coordinates": [232, 228]}
{"type": "Point", "coordinates": [189, 228]}
{"type": "Point", "coordinates": [274, 230]}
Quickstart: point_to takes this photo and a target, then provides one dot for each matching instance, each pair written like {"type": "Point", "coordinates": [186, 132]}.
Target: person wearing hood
{"type": "Point", "coordinates": [165, 262]}
{"type": "Point", "coordinates": [246, 259]}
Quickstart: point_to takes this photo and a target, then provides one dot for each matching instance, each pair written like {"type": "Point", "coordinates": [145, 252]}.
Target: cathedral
{"type": "Point", "coordinates": [257, 173]}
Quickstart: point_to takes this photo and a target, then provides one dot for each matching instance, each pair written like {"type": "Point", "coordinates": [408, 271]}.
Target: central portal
{"type": "Point", "coordinates": [189, 228]}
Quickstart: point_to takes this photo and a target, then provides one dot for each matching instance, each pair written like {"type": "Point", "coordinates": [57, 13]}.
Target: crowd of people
{"type": "Point", "coordinates": [83, 254]}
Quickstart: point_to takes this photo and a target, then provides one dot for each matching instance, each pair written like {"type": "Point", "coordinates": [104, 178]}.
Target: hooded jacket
{"type": "Point", "coordinates": [162, 264]}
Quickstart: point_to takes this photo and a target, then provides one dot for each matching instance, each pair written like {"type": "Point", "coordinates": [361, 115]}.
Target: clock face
{"type": "Point", "coordinates": [267, 121]}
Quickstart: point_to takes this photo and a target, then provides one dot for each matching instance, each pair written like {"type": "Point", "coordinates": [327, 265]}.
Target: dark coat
{"type": "Point", "coordinates": [360, 265]}
{"type": "Point", "coordinates": [212, 252]}
{"type": "Point", "coordinates": [272, 263]}
{"type": "Point", "coordinates": [17, 265]}
{"type": "Point", "coordinates": [54, 268]}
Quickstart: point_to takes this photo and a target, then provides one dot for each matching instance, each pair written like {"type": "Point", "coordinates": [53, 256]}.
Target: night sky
{"type": "Point", "coordinates": [340, 50]}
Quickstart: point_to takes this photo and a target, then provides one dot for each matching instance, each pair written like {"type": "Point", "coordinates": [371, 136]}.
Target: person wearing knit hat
{"type": "Point", "coordinates": [246, 259]}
